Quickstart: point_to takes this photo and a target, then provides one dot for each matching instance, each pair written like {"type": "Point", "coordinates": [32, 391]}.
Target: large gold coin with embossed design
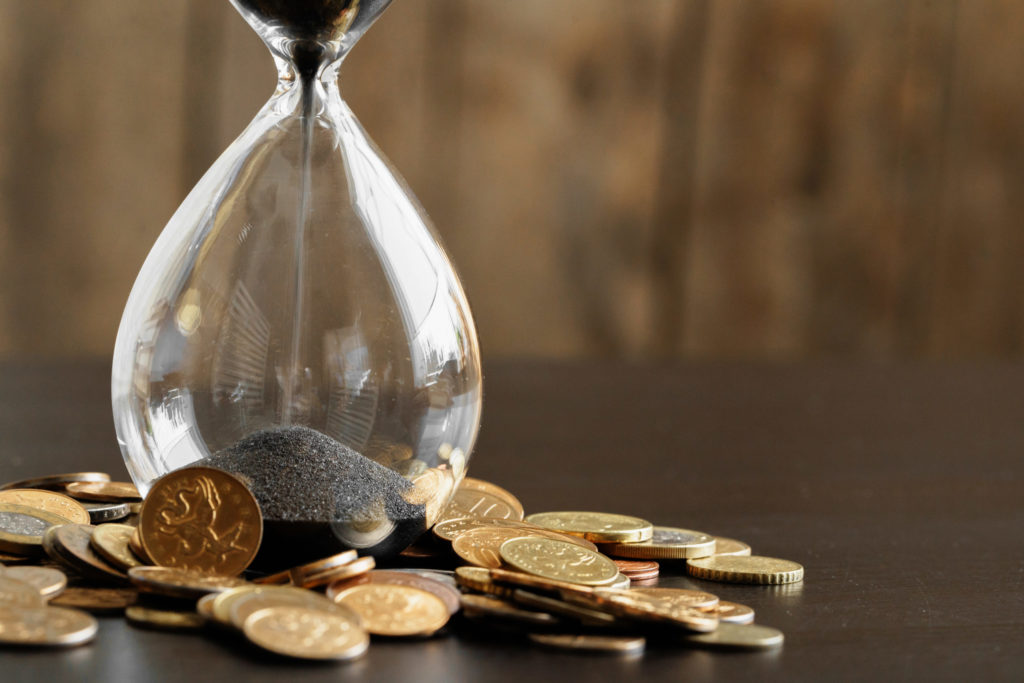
{"type": "Point", "coordinates": [559, 561]}
{"type": "Point", "coordinates": [599, 527]}
{"type": "Point", "coordinates": [50, 501]}
{"type": "Point", "coordinates": [52, 626]}
{"type": "Point", "coordinates": [306, 633]}
{"type": "Point", "coordinates": [201, 519]}
{"type": "Point", "coordinates": [391, 610]}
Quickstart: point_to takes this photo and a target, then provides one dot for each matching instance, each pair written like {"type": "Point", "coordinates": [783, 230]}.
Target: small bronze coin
{"type": "Point", "coordinates": [559, 561]}
{"type": "Point", "coordinates": [15, 594]}
{"type": "Point", "coordinates": [730, 546]}
{"type": "Point", "coordinates": [70, 545]}
{"type": "Point", "coordinates": [48, 581]}
{"type": "Point", "coordinates": [104, 491]}
{"type": "Point", "coordinates": [449, 595]}
{"type": "Point", "coordinates": [599, 527]}
{"type": "Point", "coordinates": [110, 541]}
{"type": "Point", "coordinates": [47, 626]}
{"type": "Point", "coordinates": [666, 543]}
{"type": "Point", "coordinates": [22, 528]}
{"type": "Point", "coordinates": [612, 645]}
{"type": "Point", "coordinates": [201, 519]}
{"type": "Point", "coordinates": [637, 571]}
{"type": "Point", "coordinates": [390, 610]}
{"type": "Point", "coordinates": [162, 619]}
{"type": "Point", "coordinates": [97, 600]}
{"type": "Point", "coordinates": [745, 569]}
{"type": "Point", "coordinates": [106, 512]}
{"type": "Point", "coordinates": [739, 637]}
{"type": "Point", "coordinates": [179, 583]}
{"type": "Point", "coordinates": [50, 501]}
{"type": "Point", "coordinates": [484, 606]}
{"type": "Point", "coordinates": [734, 613]}
{"type": "Point", "coordinates": [306, 633]}
{"type": "Point", "coordinates": [55, 481]}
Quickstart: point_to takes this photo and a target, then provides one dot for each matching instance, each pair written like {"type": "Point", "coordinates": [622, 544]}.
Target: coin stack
{"type": "Point", "coordinates": [583, 581]}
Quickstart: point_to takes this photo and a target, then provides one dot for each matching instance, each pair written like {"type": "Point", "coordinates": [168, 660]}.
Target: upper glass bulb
{"type": "Point", "coordinates": [297, 322]}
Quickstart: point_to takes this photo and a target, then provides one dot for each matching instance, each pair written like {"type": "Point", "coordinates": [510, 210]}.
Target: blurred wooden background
{"type": "Point", "coordinates": [647, 178]}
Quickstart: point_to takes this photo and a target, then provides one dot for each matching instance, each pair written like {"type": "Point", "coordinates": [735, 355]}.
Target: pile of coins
{"type": "Point", "coordinates": [180, 561]}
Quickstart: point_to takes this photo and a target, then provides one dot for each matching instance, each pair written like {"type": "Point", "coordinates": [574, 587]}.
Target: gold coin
{"type": "Point", "coordinates": [730, 546]}
{"type": "Point", "coordinates": [484, 606]}
{"type": "Point", "coordinates": [666, 543]}
{"type": "Point", "coordinates": [432, 489]}
{"type": "Point", "coordinates": [50, 501]}
{"type": "Point", "coordinates": [166, 620]}
{"type": "Point", "coordinates": [70, 545]}
{"type": "Point", "coordinates": [97, 600]}
{"type": "Point", "coordinates": [557, 606]}
{"type": "Point", "coordinates": [451, 529]}
{"type": "Point", "coordinates": [679, 597]}
{"type": "Point", "coordinates": [472, 503]}
{"type": "Point", "coordinates": [448, 593]}
{"type": "Point", "coordinates": [619, 645]}
{"type": "Point", "coordinates": [179, 583]}
{"type": "Point", "coordinates": [135, 545]}
{"type": "Point", "coordinates": [15, 594]}
{"type": "Point", "coordinates": [201, 519]}
{"type": "Point", "coordinates": [57, 481]}
{"type": "Point", "coordinates": [48, 581]}
{"type": "Point", "coordinates": [471, 484]}
{"type": "Point", "coordinates": [479, 579]}
{"type": "Point", "coordinates": [104, 491]}
{"type": "Point", "coordinates": [306, 633]}
{"type": "Point", "coordinates": [745, 569]}
{"type": "Point", "coordinates": [340, 573]}
{"type": "Point", "coordinates": [110, 541]}
{"type": "Point", "coordinates": [734, 613]}
{"type": "Point", "coordinates": [389, 610]}
{"type": "Point", "coordinates": [599, 527]}
{"type": "Point", "coordinates": [636, 606]}
{"type": "Point", "coordinates": [22, 528]}
{"type": "Point", "coordinates": [285, 577]}
{"type": "Point", "coordinates": [559, 560]}
{"type": "Point", "coordinates": [51, 626]}
{"type": "Point", "coordinates": [482, 546]}
{"type": "Point", "coordinates": [238, 605]}
{"type": "Point", "coordinates": [739, 636]}
{"type": "Point", "coordinates": [204, 606]}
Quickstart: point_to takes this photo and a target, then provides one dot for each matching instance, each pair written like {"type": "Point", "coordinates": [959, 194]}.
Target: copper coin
{"type": "Point", "coordinates": [179, 583]}
{"type": "Point", "coordinates": [629, 567]}
{"type": "Point", "coordinates": [70, 545]}
{"type": "Point", "coordinates": [642, 577]}
{"type": "Point", "coordinates": [449, 595]}
{"type": "Point", "coordinates": [48, 581]}
{"type": "Point", "coordinates": [50, 501]}
{"type": "Point", "coordinates": [104, 491]}
{"type": "Point", "coordinates": [201, 519]}
{"type": "Point", "coordinates": [97, 600]}
{"type": "Point", "coordinates": [55, 481]}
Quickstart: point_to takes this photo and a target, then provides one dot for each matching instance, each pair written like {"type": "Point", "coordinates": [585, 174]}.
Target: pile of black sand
{"type": "Point", "coordinates": [310, 486]}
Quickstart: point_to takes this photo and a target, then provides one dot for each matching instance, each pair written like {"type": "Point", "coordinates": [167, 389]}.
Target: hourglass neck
{"type": "Point", "coordinates": [306, 86]}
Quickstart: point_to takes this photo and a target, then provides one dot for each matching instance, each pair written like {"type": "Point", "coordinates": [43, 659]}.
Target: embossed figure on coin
{"type": "Point", "coordinates": [191, 519]}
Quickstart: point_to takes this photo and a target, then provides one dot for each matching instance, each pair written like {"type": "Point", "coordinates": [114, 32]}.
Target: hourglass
{"type": "Point", "coordinates": [297, 322]}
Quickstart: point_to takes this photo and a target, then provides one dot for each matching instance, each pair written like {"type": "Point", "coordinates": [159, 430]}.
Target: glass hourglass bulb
{"type": "Point", "coordinates": [297, 322]}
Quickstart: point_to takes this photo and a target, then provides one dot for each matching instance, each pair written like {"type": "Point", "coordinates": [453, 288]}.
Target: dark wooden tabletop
{"type": "Point", "coordinates": [899, 488]}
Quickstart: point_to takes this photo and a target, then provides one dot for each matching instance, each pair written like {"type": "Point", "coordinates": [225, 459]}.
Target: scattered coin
{"type": "Point", "coordinates": [346, 571]}
{"type": "Point", "coordinates": [559, 560]}
{"type": "Point", "coordinates": [389, 610]}
{"type": "Point", "coordinates": [666, 543]}
{"type": "Point", "coordinates": [105, 512]}
{"type": "Point", "coordinates": [306, 633]}
{"type": "Point", "coordinates": [451, 529]}
{"type": "Point", "coordinates": [472, 503]}
{"type": "Point", "coordinates": [55, 481]}
{"type": "Point", "coordinates": [135, 545]}
{"type": "Point", "coordinates": [104, 491]}
{"type": "Point", "coordinates": [285, 577]}
{"type": "Point", "coordinates": [471, 484]}
{"type": "Point", "coordinates": [432, 489]}
{"type": "Point", "coordinates": [46, 626]}
{"type": "Point", "coordinates": [475, 606]}
{"type": "Point", "coordinates": [97, 600]}
{"type": "Point", "coordinates": [599, 527]}
{"type": "Point", "coordinates": [631, 604]}
{"type": "Point", "coordinates": [50, 501]}
{"type": "Point", "coordinates": [556, 606]}
{"type": "Point", "coordinates": [745, 569]}
{"type": "Point", "coordinates": [48, 581]}
{"type": "Point", "coordinates": [235, 606]}
{"type": "Point", "coordinates": [449, 595]}
{"type": "Point", "coordinates": [730, 546]}
{"type": "Point", "coordinates": [15, 594]}
{"type": "Point", "coordinates": [70, 545]}
{"type": "Point", "coordinates": [201, 519]}
{"type": "Point", "coordinates": [482, 546]}
{"type": "Point", "coordinates": [620, 645]}
{"type": "Point", "coordinates": [739, 636]}
{"type": "Point", "coordinates": [162, 619]}
{"type": "Point", "coordinates": [110, 541]}
{"type": "Point", "coordinates": [22, 528]}
{"type": "Point", "coordinates": [734, 613]}
{"type": "Point", "coordinates": [179, 583]}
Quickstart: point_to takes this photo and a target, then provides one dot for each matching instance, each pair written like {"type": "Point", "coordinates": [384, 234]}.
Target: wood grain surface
{"type": "Point", "coordinates": [666, 178]}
